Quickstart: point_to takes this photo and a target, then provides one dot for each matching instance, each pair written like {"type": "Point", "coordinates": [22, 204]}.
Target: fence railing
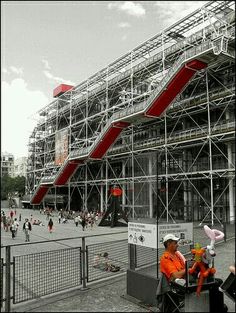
{"type": "Point", "coordinates": [73, 262]}
{"type": "Point", "coordinates": [69, 264]}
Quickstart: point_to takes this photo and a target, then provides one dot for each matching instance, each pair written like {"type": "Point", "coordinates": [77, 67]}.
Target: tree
{"type": "Point", "coordinates": [12, 185]}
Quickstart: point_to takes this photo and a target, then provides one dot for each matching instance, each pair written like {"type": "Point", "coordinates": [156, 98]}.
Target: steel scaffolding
{"type": "Point", "coordinates": [167, 105]}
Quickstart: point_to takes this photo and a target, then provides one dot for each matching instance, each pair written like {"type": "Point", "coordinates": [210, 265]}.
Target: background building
{"type": "Point", "coordinates": [7, 164]}
{"type": "Point", "coordinates": [159, 122]}
{"type": "Point", "coordinates": [20, 166]}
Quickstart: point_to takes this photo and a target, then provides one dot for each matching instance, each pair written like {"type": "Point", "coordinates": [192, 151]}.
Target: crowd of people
{"type": "Point", "coordinates": [11, 221]}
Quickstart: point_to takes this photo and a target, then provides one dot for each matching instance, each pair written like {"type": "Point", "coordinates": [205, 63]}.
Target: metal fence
{"type": "Point", "coordinates": [71, 263]}
{"type": "Point", "coordinates": [40, 274]}
{"type": "Point", "coordinates": [117, 255]}
{"type": "Point", "coordinates": [1, 281]}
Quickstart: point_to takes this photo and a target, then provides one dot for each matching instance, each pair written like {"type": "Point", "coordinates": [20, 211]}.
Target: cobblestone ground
{"type": "Point", "coordinates": [103, 296]}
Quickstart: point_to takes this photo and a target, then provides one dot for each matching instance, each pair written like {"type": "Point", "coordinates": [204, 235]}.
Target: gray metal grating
{"type": "Point", "coordinates": [117, 254]}
{"type": "Point", "coordinates": [40, 274]}
{"type": "Point", "coordinates": [1, 282]}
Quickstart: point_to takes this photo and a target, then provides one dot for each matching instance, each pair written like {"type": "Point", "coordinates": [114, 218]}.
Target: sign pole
{"type": "Point", "coordinates": [157, 216]}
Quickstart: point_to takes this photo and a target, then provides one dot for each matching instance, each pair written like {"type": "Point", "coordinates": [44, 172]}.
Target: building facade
{"type": "Point", "coordinates": [158, 122]}
{"type": "Point", "coordinates": [20, 166]}
{"type": "Point", "coordinates": [7, 164]}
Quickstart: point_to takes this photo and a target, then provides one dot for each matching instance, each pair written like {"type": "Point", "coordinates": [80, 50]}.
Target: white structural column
{"type": "Point", "coordinates": [123, 187]}
{"type": "Point", "coordinates": [69, 195]}
{"type": "Point", "coordinates": [185, 183]}
{"type": "Point", "coordinates": [150, 186]}
{"type": "Point", "coordinates": [231, 186]}
{"type": "Point", "coordinates": [187, 189]}
{"type": "Point", "coordinates": [166, 175]}
{"type": "Point", "coordinates": [210, 153]}
{"type": "Point", "coordinates": [102, 189]}
{"type": "Point", "coordinates": [106, 186]}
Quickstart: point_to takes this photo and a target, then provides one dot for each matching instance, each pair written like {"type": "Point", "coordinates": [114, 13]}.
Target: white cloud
{"type": "Point", "coordinates": [46, 64]}
{"type": "Point", "coordinates": [52, 77]}
{"type": "Point", "coordinates": [13, 69]}
{"type": "Point", "coordinates": [124, 25]}
{"type": "Point", "coordinates": [16, 70]}
{"type": "Point", "coordinates": [171, 11]}
{"type": "Point", "coordinates": [18, 104]}
{"type": "Point", "coordinates": [124, 37]}
{"type": "Point", "coordinates": [129, 7]}
{"type": "Point", "coordinates": [57, 79]}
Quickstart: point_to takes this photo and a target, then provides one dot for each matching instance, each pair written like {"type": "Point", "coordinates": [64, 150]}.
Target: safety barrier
{"type": "Point", "coordinates": [68, 264]}
{"type": "Point", "coordinates": [71, 263]}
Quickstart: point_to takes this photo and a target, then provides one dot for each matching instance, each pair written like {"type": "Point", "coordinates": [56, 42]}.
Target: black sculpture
{"type": "Point", "coordinates": [114, 212]}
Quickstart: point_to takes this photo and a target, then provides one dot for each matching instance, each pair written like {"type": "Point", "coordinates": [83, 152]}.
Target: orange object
{"type": "Point", "coordinates": [204, 272]}
{"type": "Point", "coordinates": [170, 264]}
{"type": "Point", "coordinates": [116, 191]}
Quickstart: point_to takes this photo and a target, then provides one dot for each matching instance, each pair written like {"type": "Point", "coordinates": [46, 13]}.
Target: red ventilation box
{"type": "Point", "coordinates": [61, 89]}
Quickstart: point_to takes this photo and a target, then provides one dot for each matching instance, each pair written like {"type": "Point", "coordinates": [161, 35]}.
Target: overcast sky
{"type": "Point", "coordinates": [47, 43]}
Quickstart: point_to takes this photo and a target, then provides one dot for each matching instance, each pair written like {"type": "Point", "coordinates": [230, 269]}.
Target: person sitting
{"type": "Point", "coordinates": [38, 223]}
{"type": "Point", "coordinates": [172, 262]}
{"type": "Point", "coordinates": [64, 220]}
{"type": "Point", "coordinates": [108, 265]}
{"type": "Point", "coordinates": [172, 265]}
{"type": "Point", "coordinates": [103, 263]}
{"type": "Point", "coordinates": [97, 260]}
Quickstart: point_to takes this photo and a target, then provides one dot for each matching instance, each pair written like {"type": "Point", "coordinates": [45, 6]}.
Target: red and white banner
{"type": "Point", "coordinates": [61, 146]}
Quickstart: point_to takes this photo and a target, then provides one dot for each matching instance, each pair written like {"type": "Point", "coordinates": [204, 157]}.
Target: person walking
{"type": "Point", "coordinates": [83, 222]}
{"type": "Point", "coordinates": [27, 228]}
{"type": "Point", "coordinates": [11, 214]}
{"type": "Point", "coordinates": [76, 221]}
{"type": "Point", "coordinates": [59, 217]}
{"type": "Point", "coordinates": [4, 222]}
{"type": "Point", "coordinates": [50, 225]}
{"type": "Point", "coordinates": [14, 227]}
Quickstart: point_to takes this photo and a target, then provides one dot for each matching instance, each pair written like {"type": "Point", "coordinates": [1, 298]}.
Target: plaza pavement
{"type": "Point", "coordinates": [105, 295]}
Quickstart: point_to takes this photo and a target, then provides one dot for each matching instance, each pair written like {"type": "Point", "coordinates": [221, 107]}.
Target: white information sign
{"type": "Point", "coordinates": [184, 231]}
{"type": "Point", "coordinates": [142, 234]}
{"type": "Point", "coordinates": [146, 234]}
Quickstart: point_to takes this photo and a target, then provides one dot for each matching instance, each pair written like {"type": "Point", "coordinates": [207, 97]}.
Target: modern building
{"type": "Point", "coordinates": [7, 164]}
{"type": "Point", "coordinates": [158, 122]}
{"type": "Point", "coordinates": [20, 166]}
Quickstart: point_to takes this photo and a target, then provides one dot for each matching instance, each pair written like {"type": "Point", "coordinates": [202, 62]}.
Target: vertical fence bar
{"type": "Point", "coordinates": [84, 287]}
{"type": "Point", "coordinates": [8, 280]}
{"type": "Point", "coordinates": [1, 277]}
{"type": "Point", "coordinates": [80, 266]}
{"type": "Point", "coordinates": [224, 231]}
{"type": "Point", "coordinates": [87, 264]}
